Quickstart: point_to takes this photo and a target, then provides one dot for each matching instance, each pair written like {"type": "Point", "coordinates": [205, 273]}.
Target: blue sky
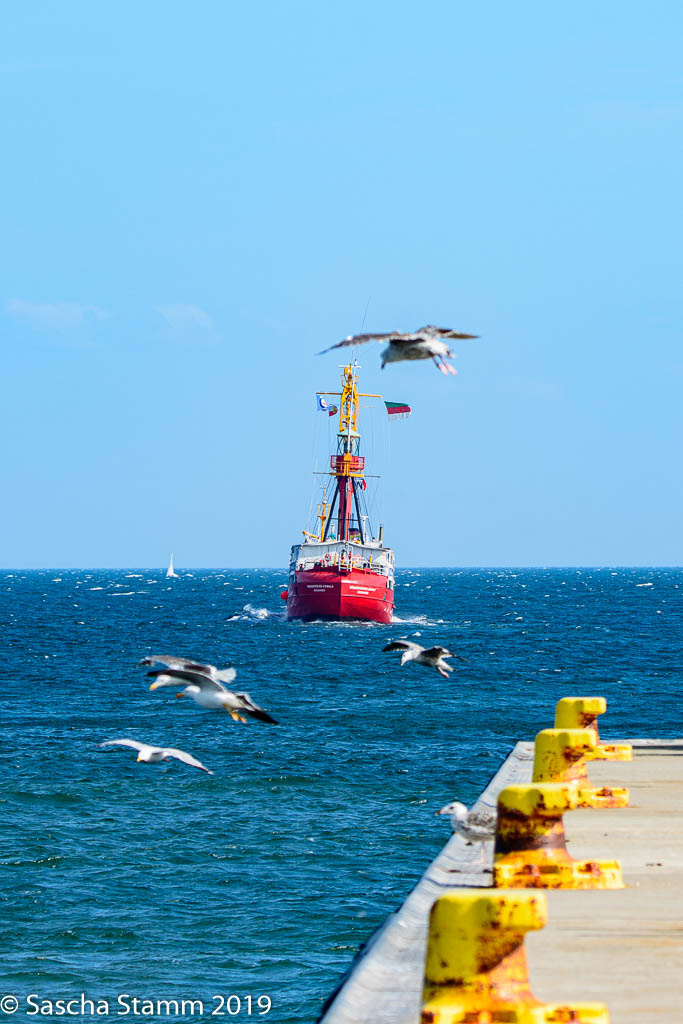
{"type": "Point", "coordinates": [198, 199]}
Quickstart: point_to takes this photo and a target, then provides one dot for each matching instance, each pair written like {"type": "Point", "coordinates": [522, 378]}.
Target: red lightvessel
{"type": "Point", "coordinates": [342, 571]}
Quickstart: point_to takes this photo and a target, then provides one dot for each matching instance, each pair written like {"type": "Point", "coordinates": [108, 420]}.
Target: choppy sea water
{"type": "Point", "coordinates": [160, 882]}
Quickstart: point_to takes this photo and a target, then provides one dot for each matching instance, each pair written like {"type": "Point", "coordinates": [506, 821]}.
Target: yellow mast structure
{"type": "Point", "coordinates": [348, 407]}
{"type": "Point", "coordinates": [347, 464]}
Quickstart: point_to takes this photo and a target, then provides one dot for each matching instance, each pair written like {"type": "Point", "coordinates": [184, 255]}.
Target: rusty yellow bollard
{"type": "Point", "coordinates": [531, 850]}
{"type": "Point", "coordinates": [476, 970]}
{"type": "Point", "coordinates": [560, 756]}
{"type": "Point", "coordinates": [582, 713]}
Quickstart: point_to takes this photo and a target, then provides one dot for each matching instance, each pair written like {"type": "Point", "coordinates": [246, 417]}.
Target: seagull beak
{"type": "Point", "coordinates": [138, 759]}
{"type": "Point", "coordinates": [436, 813]}
{"type": "Point", "coordinates": [181, 694]}
{"type": "Point", "coordinates": [154, 686]}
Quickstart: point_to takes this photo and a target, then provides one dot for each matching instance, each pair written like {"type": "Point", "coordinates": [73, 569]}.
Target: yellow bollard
{"type": "Point", "coordinates": [476, 969]}
{"type": "Point", "coordinates": [531, 850]}
{"type": "Point", "coordinates": [582, 713]}
{"type": "Point", "coordinates": [560, 756]}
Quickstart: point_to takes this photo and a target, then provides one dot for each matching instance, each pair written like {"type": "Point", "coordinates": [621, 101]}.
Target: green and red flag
{"type": "Point", "coordinates": [399, 410]}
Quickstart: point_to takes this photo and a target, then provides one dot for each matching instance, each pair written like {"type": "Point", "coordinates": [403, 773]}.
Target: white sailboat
{"type": "Point", "coordinates": [170, 572]}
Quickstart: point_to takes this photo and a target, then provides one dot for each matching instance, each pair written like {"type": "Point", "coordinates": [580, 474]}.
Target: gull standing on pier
{"type": "Point", "coordinates": [432, 657]}
{"type": "Point", "coordinates": [473, 826]}
{"type": "Point", "coordinates": [152, 755]}
{"type": "Point", "coordinates": [203, 683]}
{"type": "Point", "coordinates": [469, 824]}
{"type": "Point", "coordinates": [426, 343]}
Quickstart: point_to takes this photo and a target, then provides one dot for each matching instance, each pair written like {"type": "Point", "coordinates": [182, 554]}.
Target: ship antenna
{"type": "Point", "coordinates": [354, 351]}
{"type": "Point", "coordinates": [367, 306]}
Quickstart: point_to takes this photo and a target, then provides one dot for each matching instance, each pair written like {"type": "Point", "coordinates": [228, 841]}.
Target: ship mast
{"type": "Point", "coordinates": [347, 466]}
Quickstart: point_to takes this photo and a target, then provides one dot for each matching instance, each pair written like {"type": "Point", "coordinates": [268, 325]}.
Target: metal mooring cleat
{"type": "Point", "coordinates": [530, 850]}
{"type": "Point", "coordinates": [560, 756]}
{"type": "Point", "coordinates": [476, 969]}
{"type": "Point", "coordinates": [582, 713]}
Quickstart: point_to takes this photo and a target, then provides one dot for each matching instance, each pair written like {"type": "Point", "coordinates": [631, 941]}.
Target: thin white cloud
{"type": "Point", "coordinates": [184, 319]}
{"type": "Point", "coordinates": [70, 319]}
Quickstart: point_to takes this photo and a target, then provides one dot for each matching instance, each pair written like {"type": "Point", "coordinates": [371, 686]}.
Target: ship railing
{"type": "Point", "coordinates": [331, 561]}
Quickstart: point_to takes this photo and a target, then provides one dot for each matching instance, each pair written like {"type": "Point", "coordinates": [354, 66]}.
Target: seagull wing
{"type": "Point", "coordinates": [181, 663]}
{"type": "Point", "coordinates": [126, 743]}
{"type": "Point", "coordinates": [183, 677]}
{"type": "Point", "coordinates": [226, 675]}
{"type": "Point", "coordinates": [360, 339]}
{"type": "Point", "coordinates": [182, 755]}
{"type": "Point", "coordinates": [482, 821]}
{"type": "Point", "coordinates": [402, 645]}
{"type": "Point", "coordinates": [250, 708]}
{"type": "Point", "coordinates": [443, 652]}
{"type": "Point", "coordinates": [443, 332]}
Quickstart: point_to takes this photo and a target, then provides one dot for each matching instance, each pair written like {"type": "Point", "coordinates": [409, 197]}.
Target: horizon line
{"type": "Point", "coordinates": [275, 568]}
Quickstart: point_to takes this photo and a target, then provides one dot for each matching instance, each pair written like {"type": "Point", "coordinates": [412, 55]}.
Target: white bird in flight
{"type": "Point", "coordinates": [432, 657]}
{"type": "Point", "coordinates": [203, 683]}
{"type": "Point", "coordinates": [426, 343]}
{"type": "Point", "coordinates": [152, 755]}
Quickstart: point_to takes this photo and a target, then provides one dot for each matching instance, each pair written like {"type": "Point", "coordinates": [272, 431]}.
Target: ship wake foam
{"type": "Point", "coordinates": [416, 620]}
{"type": "Point", "coordinates": [251, 614]}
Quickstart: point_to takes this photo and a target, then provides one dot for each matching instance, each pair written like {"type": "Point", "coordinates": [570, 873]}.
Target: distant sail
{"type": "Point", "coordinates": [170, 571]}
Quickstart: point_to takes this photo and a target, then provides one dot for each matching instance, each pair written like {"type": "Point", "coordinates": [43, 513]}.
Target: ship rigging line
{"type": "Point", "coordinates": [361, 525]}
{"type": "Point", "coordinates": [367, 306]}
{"type": "Point", "coordinates": [314, 460]}
{"type": "Point", "coordinates": [331, 512]}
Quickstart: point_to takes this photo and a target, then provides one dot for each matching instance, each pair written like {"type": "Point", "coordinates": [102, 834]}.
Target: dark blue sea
{"type": "Point", "coordinates": [158, 882]}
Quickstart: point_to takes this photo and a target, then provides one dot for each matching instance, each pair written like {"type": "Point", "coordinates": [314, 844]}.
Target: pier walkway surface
{"type": "Point", "coordinates": [620, 947]}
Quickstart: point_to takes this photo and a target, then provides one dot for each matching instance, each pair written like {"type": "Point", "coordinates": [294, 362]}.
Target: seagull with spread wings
{"type": "Point", "coordinates": [426, 343]}
{"type": "Point", "coordinates": [432, 657]}
{"type": "Point", "coordinates": [203, 683]}
{"type": "Point", "coordinates": [152, 755]}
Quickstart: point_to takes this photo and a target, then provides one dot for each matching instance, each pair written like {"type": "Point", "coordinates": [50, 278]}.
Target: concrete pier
{"type": "Point", "coordinates": [623, 948]}
{"type": "Point", "coordinates": [620, 947]}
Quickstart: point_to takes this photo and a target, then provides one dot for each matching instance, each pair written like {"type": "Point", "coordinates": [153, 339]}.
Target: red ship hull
{"type": "Point", "coordinates": [339, 594]}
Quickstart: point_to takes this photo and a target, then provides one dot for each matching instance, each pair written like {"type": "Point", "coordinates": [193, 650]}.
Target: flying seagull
{"type": "Point", "coordinates": [426, 343]}
{"type": "Point", "coordinates": [152, 755]}
{"type": "Point", "coordinates": [432, 657]}
{"type": "Point", "coordinates": [223, 675]}
{"type": "Point", "coordinates": [203, 683]}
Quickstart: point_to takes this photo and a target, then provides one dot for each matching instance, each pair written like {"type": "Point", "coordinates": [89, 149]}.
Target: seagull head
{"type": "Point", "coordinates": [455, 810]}
{"type": "Point", "coordinates": [160, 680]}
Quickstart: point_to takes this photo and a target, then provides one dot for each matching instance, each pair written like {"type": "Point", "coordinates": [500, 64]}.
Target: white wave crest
{"type": "Point", "coordinates": [256, 613]}
{"type": "Point", "coordinates": [417, 620]}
